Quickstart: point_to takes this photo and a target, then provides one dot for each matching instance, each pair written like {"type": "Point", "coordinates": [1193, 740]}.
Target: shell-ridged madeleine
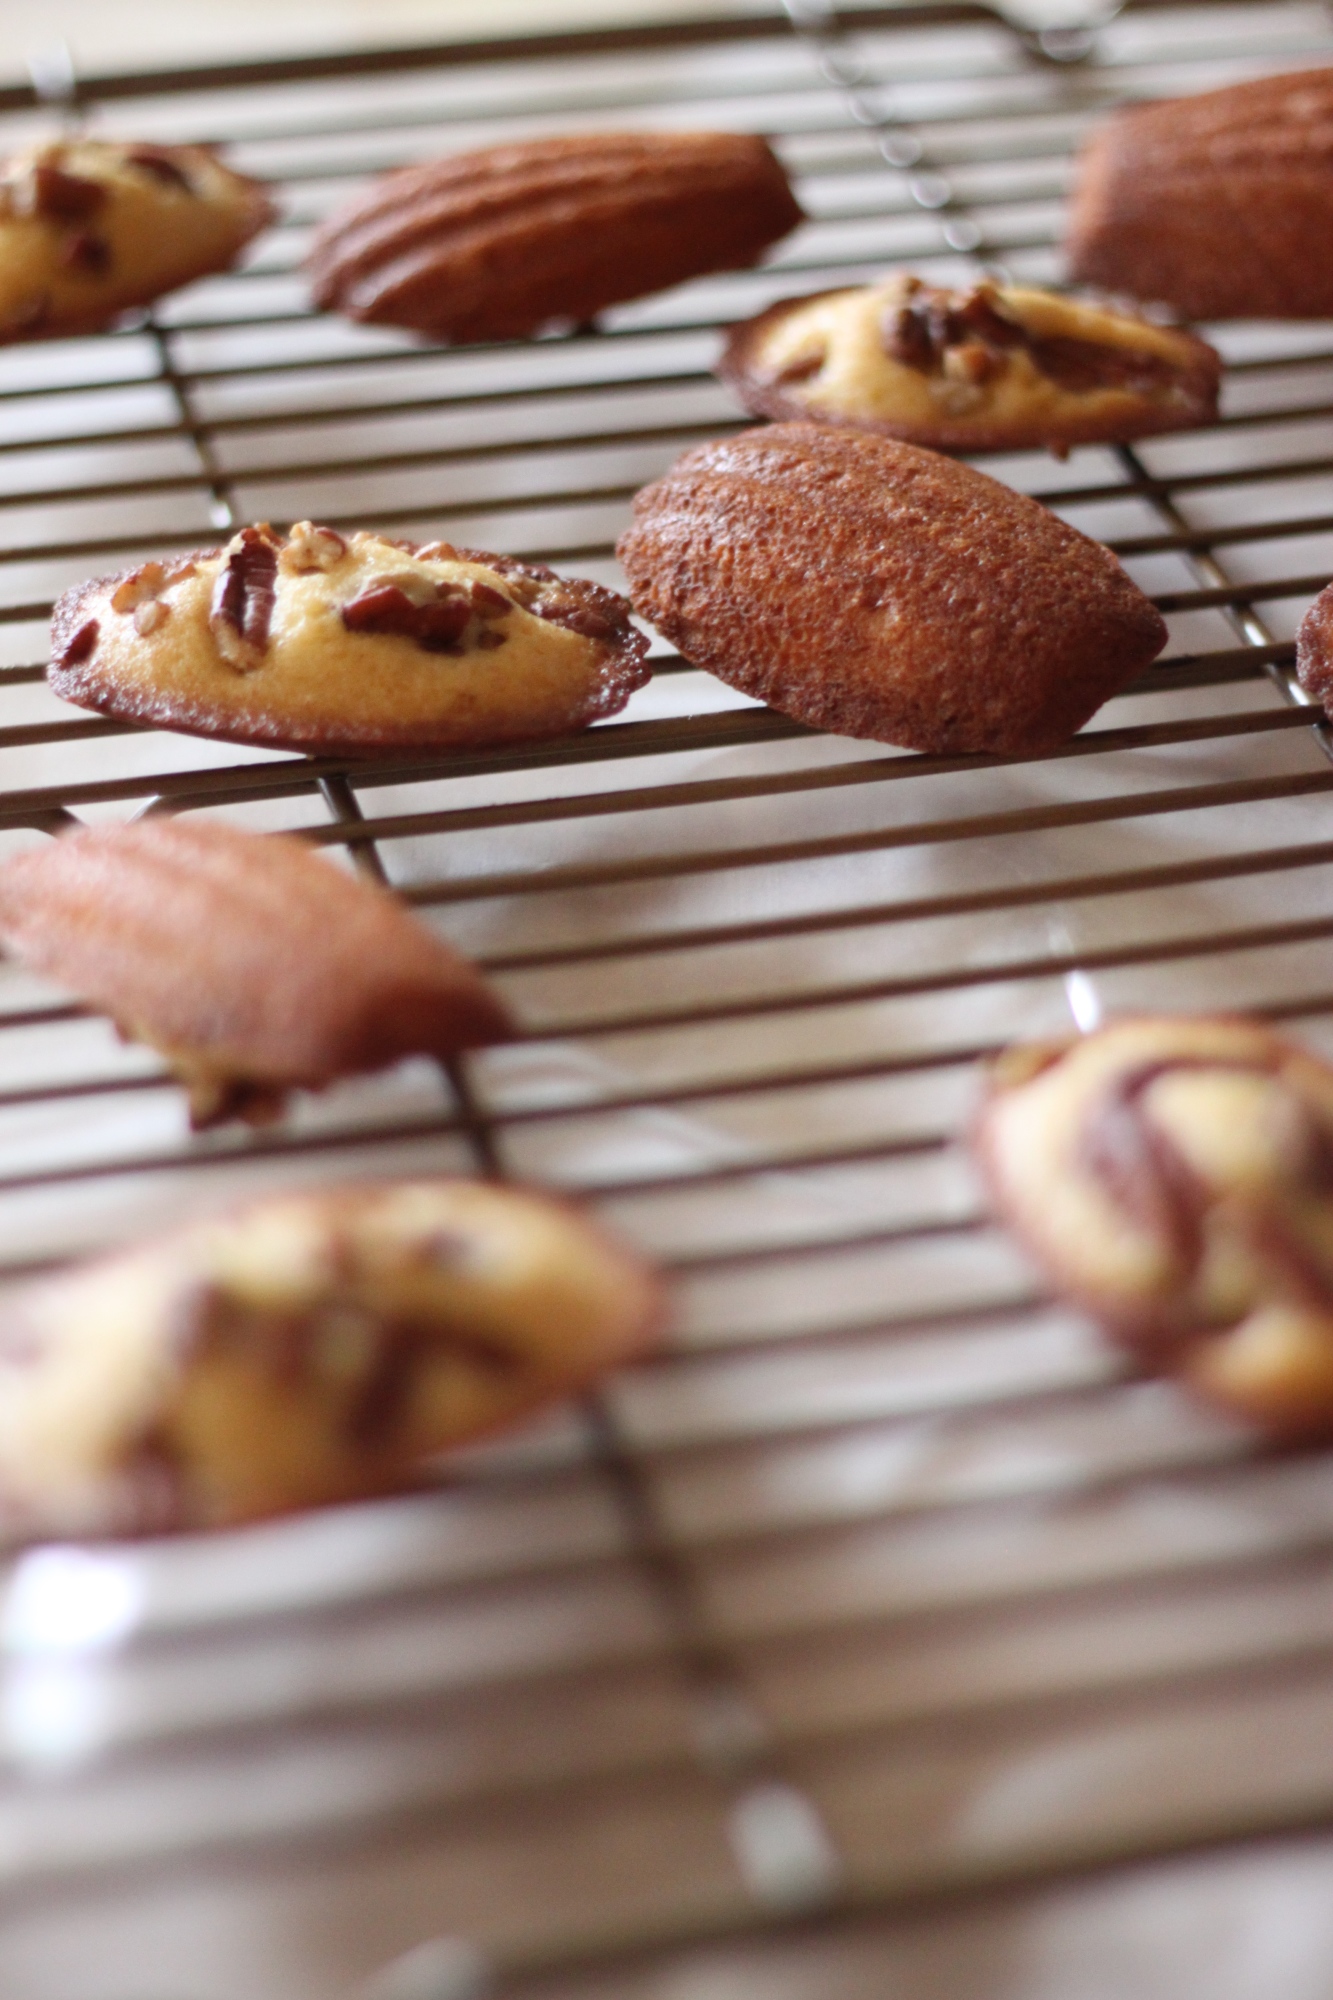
{"type": "Point", "coordinates": [1220, 205]}
{"type": "Point", "coordinates": [876, 589]}
{"type": "Point", "coordinates": [494, 245]}
{"type": "Point", "coordinates": [308, 1348]}
{"type": "Point", "coordinates": [254, 965]}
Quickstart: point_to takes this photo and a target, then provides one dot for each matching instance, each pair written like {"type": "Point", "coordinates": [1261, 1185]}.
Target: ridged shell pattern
{"type": "Point", "coordinates": [495, 245]}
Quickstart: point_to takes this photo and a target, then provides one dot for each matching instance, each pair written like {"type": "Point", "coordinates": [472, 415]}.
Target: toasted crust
{"type": "Point", "coordinates": [92, 228]}
{"type": "Point", "coordinates": [1171, 1176]}
{"type": "Point", "coordinates": [1314, 649]}
{"type": "Point", "coordinates": [543, 654]}
{"type": "Point", "coordinates": [1015, 405]}
{"type": "Point", "coordinates": [310, 1348]}
{"type": "Point", "coordinates": [254, 965]}
{"type": "Point", "coordinates": [875, 589]}
{"type": "Point", "coordinates": [494, 245]}
{"type": "Point", "coordinates": [1219, 205]}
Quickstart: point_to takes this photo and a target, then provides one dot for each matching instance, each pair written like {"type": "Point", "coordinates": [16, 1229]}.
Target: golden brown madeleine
{"type": "Point", "coordinates": [875, 589]}
{"type": "Point", "coordinates": [318, 641]}
{"type": "Point", "coordinates": [1220, 205]}
{"type": "Point", "coordinates": [251, 963]}
{"type": "Point", "coordinates": [990, 367]}
{"type": "Point", "coordinates": [90, 228]}
{"type": "Point", "coordinates": [497, 244]}
{"type": "Point", "coordinates": [309, 1348]}
{"type": "Point", "coordinates": [1314, 649]}
{"type": "Point", "coordinates": [1174, 1177]}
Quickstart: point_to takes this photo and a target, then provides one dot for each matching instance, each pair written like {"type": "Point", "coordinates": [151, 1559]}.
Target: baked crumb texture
{"type": "Point", "coordinates": [318, 641]}
{"type": "Point", "coordinates": [991, 367]}
{"type": "Point", "coordinates": [1219, 206]}
{"type": "Point", "coordinates": [90, 228]}
{"type": "Point", "coordinates": [252, 964]}
{"type": "Point", "coordinates": [871, 588]}
{"type": "Point", "coordinates": [310, 1348]}
{"type": "Point", "coordinates": [1314, 649]}
{"type": "Point", "coordinates": [496, 245]}
{"type": "Point", "coordinates": [1174, 1177]}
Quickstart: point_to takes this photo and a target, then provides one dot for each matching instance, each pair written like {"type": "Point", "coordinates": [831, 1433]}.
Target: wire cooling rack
{"type": "Point", "coordinates": [881, 1636]}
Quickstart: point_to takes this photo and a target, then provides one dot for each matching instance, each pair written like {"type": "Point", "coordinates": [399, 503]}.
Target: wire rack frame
{"type": "Point", "coordinates": [873, 1442]}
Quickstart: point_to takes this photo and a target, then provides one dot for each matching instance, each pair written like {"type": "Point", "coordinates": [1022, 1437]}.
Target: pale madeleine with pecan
{"type": "Point", "coordinates": [988, 367]}
{"type": "Point", "coordinates": [252, 964]}
{"type": "Point", "coordinates": [1174, 1176]}
{"type": "Point", "coordinates": [90, 228]}
{"type": "Point", "coordinates": [312, 1347]}
{"type": "Point", "coordinates": [318, 641]}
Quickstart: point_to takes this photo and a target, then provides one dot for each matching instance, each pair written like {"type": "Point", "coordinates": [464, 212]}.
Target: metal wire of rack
{"type": "Point", "coordinates": [843, 1639]}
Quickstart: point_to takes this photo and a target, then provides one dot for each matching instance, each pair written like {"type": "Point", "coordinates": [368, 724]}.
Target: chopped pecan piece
{"type": "Point", "coordinates": [1094, 364]}
{"type": "Point", "coordinates": [60, 197]}
{"type": "Point", "coordinates": [138, 588]}
{"type": "Point", "coordinates": [802, 368]}
{"type": "Point", "coordinates": [149, 615]}
{"type": "Point", "coordinates": [488, 603]}
{"type": "Point", "coordinates": [970, 362]}
{"type": "Point", "coordinates": [979, 314]}
{"type": "Point", "coordinates": [920, 335]}
{"type": "Point", "coordinates": [575, 614]}
{"type": "Point", "coordinates": [309, 548]}
{"type": "Point", "coordinates": [436, 626]}
{"type": "Point", "coordinates": [156, 160]}
{"type": "Point", "coordinates": [243, 598]}
{"type": "Point", "coordinates": [81, 644]}
{"type": "Point", "coordinates": [907, 337]}
{"type": "Point", "coordinates": [87, 251]}
{"type": "Point", "coordinates": [965, 342]}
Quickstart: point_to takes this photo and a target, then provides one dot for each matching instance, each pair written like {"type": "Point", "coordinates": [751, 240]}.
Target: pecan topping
{"type": "Point", "coordinates": [586, 608]}
{"type": "Point", "coordinates": [149, 615]}
{"type": "Point", "coordinates": [137, 588]}
{"type": "Point", "coordinates": [488, 603]}
{"type": "Point", "coordinates": [964, 342]}
{"type": "Point", "coordinates": [1092, 364]}
{"type": "Point", "coordinates": [435, 615]}
{"type": "Point", "coordinates": [243, 598]}
{"type": "Point", "coordinates": [436, 626]}
{"type": "Point", "coordinates": [156, 160]}
{"type": "Point", "coordinates": [309, 548]}
{"type": "Point", "coordinates": [802, 368]}
{"type": "Point", "coordinates": [907, 338]}
{"type": "Point", "coordinates": [436, 551]}
{"type": "Point", "coordinates": [61, 197]}
{"type": "Point", "coordinates": [971, 363]}
{"type": "Point", "coordinates": [920, 335]}
{"type": "Point", "coordinates": [81, 644]}
{"type": "Point", "coordinates": [138, 592]}
{"type": "Point", "coordinates": [88, 252]}
{"type": "Point", "coordinates": [576, 614]}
